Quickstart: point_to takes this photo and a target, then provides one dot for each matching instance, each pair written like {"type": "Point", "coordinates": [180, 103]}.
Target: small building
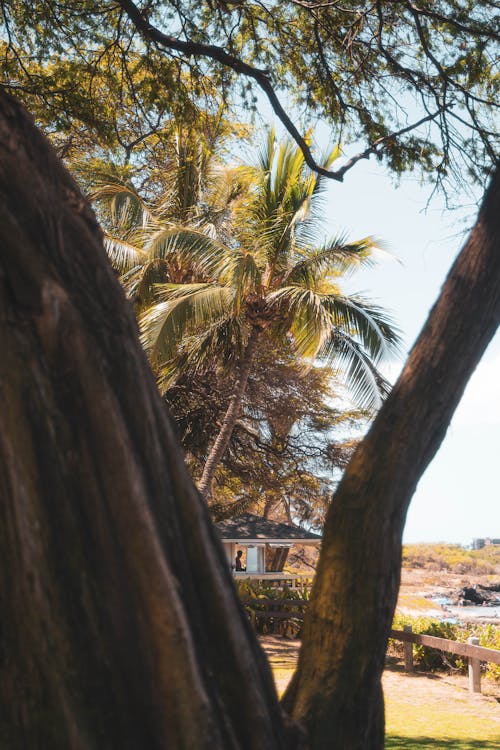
{"type": "Point", "coordinates": [265, 544]}
{"type": "Point", "coordinates": [488, 542]}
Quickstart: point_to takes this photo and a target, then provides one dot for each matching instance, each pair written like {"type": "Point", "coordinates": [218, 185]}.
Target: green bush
{"type": "Point", "coordinates": [430, 659]}
{"type": "Point", "coordinates": [489, 636]}
{"type": "Point", "coordinates": [255, 590]}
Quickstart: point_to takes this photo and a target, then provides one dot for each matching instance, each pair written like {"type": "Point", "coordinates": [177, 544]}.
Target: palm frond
{"type": "Point", "coordinates": [308, 321]}
{"type": "Point", "coordinates": [364, 321]}
{"type": "Point", "coordinates": [181, 307]}
{"type": "Point", "coordinates": [194, 247]}
{"type": "Point", "coordinates": [126, 208]}
{"type": "Point", "coordinates": [266, 154]}
{"type": "Point", "coordinates": [222, 342]}
{"type": "Point", "coordinates": [336, 258]}
{"type": "Point", "coordinates": [244, 275]}
{"type": "Point", "coordinates": [287, 173]}
{"type": "Point", "coordinates": [142, 281]}
{"type": "Point", "coordinates": [124, 256]}
{"type": "Point", "coordinates": [226, 185]}
{"type": "Point", "coordinates": [363, 380]}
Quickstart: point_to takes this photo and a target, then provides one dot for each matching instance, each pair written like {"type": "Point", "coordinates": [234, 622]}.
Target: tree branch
{"type": "Point", "coordinates": [385, 139]}
{"type": "Point", "coordinates": [261, 77]}
{"type": "Point", "coordinates": [467, 29]}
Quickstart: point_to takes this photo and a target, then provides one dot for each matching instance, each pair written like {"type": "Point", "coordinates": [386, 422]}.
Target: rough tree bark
{"type": "Point", "coordinates": [336, 690]}
{"type": "Point", "coordinates": [120, 627]}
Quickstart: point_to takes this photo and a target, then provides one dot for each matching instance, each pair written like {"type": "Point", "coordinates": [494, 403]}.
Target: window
{"type": "Point", "coordinates": [252, 560]}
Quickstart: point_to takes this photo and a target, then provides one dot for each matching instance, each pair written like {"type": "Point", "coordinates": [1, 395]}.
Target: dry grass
{"type": "Point", "coordinates": [451, 558]}
{"type": "Point", "coordinates": [422, 710]}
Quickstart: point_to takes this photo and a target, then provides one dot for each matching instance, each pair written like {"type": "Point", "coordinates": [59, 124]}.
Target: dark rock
{"type": "Point", "coordinates": [479, 595]}
{"type": "Point", "coordinates": [471, 594]}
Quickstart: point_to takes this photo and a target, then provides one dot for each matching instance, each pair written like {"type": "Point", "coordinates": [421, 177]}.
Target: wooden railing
{"type": "Point", "coordinates": [279, 610]}
{"type": "Point", "coordinates": [277, 580]}
{"type": "Point", "coordinates": [474, 653]}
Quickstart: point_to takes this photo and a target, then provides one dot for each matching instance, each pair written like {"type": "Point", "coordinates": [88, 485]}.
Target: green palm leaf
{"type": "Point", "coordinates": [244, 274]}
{"type": "Point", "coordinates": [181, 308]}
{"type": "Point", "coordinates": [126, 207]}
{"type": "Point", "coordinates": [367, 323]}
{"type": "Point", "coordinates": [222, 342]}
{"type": "Point", "coordinates": [123, 255]}
{"type": "Point", "coordinates": [140, 282]}
{"type": "Point", "coordinates": [337, 258]}
{"type": "Point", "coordinates": [192, 247]}
{"type": "Point", "coordinates": [307, 320]}
{"type": "Point", "coordinates": [363, 380]}
{"type": "Point", "coordinates": [361, 331]}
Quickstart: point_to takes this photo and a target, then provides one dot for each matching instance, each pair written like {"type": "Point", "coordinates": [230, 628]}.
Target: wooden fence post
{"type": "Point", "coordinates": [474, 669]}
{"type": "Point", "coordinates": [408, 650]}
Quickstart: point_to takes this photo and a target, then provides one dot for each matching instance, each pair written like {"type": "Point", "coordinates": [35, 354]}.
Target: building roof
{"type": "Point", "coordinates": [248, 527]}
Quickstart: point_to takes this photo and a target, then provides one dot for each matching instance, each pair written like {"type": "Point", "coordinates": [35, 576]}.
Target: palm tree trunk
{"type": "Point", "coordinates": [233, 411]}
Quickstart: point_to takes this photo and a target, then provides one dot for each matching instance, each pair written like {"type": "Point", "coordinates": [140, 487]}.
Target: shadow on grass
{"type": "Point", "coordinates": [394, 664]}
{"type": "Point", "coordinates": [393, 742]}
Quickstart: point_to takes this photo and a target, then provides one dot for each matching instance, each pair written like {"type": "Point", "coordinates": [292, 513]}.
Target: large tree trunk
{"type": "Point", "coordinates": [120, 627]}
{"type": "Point", "coordinates": [231, 416]}
{"type": "Point", "coordinates": [336, 691]}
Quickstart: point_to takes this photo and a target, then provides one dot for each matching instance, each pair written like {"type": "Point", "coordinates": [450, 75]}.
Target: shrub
{"type": "Point", "coordinates": [452, 557]}
{"type": "Point", "coordinates": [430, 659]}
{"type": "Point", "coordinates": [255, 590]}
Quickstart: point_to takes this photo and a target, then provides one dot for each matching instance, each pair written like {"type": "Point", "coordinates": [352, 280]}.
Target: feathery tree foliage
{"type": "Point", "coordinates": [413, 85]}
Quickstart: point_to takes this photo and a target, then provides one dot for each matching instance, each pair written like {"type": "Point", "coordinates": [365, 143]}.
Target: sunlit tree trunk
{"type": "Point", "coordinates": [120, 627]}
{"type": "Point", "coordinates": [336, 690]}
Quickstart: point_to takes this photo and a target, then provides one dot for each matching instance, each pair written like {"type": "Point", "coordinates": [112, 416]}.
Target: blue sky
{"type": "Point", "coordinates": [458, 497]}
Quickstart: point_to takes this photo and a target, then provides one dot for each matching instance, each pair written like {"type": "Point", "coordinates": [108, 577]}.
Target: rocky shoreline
{"type": "Point", "coordinates": [477, 595]}
{"type": "Point", "coordinates": [473, 603]}
{"type": "Point", "coordinates": [450, 597]}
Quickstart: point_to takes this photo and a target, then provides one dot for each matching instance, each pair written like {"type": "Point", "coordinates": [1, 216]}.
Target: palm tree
{"type": "Point", "coordinates": [140, 235]}
{"type": "Point", "coordinates": [273, 278]}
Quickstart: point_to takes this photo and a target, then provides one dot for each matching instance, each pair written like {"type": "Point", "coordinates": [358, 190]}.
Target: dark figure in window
{"type": "Point", "coordinates": [237, 563]}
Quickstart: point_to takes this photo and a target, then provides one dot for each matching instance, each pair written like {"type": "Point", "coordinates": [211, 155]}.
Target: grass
{"type": "Point", "coordinates": [427, 710]}
{"type": "Point", "coordinates": [422, 710]}
{"type": "Point", "coordinates": [444, 718]}
{"type": "Point", "coordinates": [394, 742]}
